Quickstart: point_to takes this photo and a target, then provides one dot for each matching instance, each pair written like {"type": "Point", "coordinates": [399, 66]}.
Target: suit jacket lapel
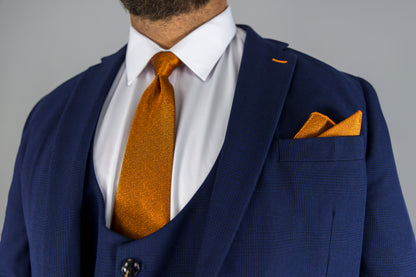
{"type": "Point", "coordinates": [259, 97]}
{"type": "Point", "coordinates": [76, 127]}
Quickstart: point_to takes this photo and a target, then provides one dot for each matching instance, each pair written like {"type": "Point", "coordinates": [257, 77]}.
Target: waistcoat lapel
{"type": "Point", "coordinates": [62, 206]}
{"type": "Point", "coordinates": [259, 97]}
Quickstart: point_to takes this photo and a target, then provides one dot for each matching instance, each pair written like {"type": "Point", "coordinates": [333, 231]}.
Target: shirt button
{"type": "Point", "coordinates": [130, 268]}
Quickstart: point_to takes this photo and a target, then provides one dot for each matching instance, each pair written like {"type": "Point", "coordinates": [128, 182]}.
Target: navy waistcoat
{"type": "Point", "coordinates": [171, 250]}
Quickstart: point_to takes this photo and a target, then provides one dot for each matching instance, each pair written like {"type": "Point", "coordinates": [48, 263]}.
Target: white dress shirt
{"type": "Point", "coordinates": [204, 90]}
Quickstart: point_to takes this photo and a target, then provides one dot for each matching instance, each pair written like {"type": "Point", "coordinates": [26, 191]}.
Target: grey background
{"type": "Point", "coordinates": [44, 42]}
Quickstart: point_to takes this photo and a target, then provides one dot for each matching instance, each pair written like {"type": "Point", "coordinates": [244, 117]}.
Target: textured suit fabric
{"type": "Point", "coordinates": [279, 206]}
{"type": "Point", "coordinates": [170, 250]}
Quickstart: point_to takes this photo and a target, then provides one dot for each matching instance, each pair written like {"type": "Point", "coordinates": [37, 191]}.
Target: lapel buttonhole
{"type": "Point", "coordinates": [278, 61]}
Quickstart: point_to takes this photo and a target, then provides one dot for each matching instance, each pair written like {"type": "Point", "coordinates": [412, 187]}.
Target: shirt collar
{"type": "Point", "coordinates": [199, 51]}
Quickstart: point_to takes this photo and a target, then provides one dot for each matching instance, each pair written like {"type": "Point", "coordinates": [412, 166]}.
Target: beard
{"type": "Point", "coordinates": [161, 9]}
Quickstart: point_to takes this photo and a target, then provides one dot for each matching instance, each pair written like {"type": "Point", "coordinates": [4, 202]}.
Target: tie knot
{"type": "Point", "coordinates": [164, 63]}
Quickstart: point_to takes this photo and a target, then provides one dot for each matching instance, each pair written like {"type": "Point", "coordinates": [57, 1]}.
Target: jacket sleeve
{"type": "Point", "coordinates": [389, 247]}
{"type": "Point", "coordinates": [14, 247]}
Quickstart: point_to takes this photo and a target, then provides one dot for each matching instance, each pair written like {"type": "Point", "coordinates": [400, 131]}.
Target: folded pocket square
{"type": "Point", "coordinates": [319, 125]}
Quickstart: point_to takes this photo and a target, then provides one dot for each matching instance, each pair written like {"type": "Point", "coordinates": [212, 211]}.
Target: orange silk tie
{"type": "Point", "coordinates": [142, 204]}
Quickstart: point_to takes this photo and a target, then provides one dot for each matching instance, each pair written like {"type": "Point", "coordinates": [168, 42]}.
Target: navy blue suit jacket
{"type": "Point", "coordinates": [280, 207]}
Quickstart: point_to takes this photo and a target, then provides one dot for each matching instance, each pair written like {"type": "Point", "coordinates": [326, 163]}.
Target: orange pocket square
{"type": "Point", "coordinates": [319, 125]}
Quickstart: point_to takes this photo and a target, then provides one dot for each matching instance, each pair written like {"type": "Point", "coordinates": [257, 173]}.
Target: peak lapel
{"type": "Point", "coordinates": [62, 205]}
{"type": "Point", "coordinates": [259, 97]}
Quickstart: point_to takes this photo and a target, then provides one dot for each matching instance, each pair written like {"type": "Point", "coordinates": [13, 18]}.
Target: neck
{"type": "Point", "coordinates": [167, 32]}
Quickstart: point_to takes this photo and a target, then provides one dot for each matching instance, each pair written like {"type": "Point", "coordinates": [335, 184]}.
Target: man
{"type": "Point", "coordinates": [202, 149]}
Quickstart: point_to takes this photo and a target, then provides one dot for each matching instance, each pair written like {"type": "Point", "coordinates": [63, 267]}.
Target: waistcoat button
{"type": "Point", "coordinates": [130, 268]}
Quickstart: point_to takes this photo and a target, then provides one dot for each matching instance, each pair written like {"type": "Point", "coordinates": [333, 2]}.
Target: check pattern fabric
{"type": "Point", "coordinates": [142, 204]}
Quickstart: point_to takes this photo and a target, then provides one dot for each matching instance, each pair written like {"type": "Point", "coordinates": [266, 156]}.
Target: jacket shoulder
{"type": "Point", "coordinates": [317, 86]}
{"type": "Point", "coordinates": [49, 108]}
{"type": "Point", "coordinates": [53, 104]}
{"type": "Point", "coordinates": [321, 71]}
{"type": "Point", "coordinates": [314, 70]}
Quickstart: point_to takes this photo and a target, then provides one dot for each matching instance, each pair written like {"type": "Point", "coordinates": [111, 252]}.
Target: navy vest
{"type": "Point", "coordinates": [172, 250]}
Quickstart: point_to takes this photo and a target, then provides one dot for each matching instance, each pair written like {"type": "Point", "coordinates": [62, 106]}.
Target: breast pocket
{"type": "Point", "coordinates": [326, 167]}
{"type": "Point", "coordinates": [325, 179]}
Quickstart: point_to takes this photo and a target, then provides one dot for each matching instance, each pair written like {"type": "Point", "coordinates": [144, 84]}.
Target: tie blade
{"type": "Point", "coordinates": [142, 204]}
